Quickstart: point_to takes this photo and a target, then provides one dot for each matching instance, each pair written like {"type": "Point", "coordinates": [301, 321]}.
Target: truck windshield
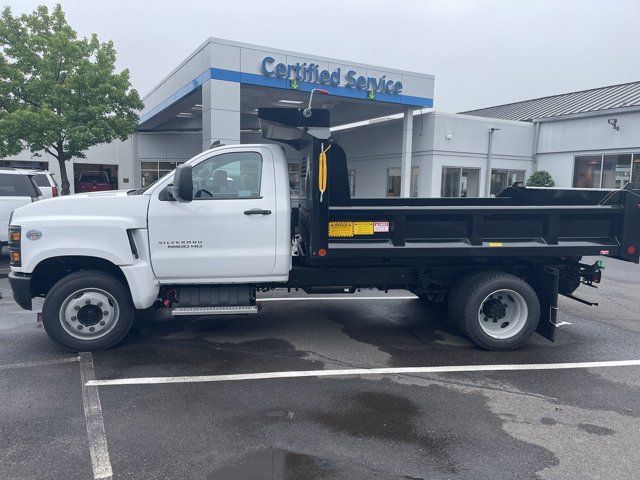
{"type": "Point", "coordinates": [142, 190]}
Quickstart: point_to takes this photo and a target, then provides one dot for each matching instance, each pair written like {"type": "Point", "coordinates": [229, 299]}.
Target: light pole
{"type": "Point", "coordinates": [487, 182]}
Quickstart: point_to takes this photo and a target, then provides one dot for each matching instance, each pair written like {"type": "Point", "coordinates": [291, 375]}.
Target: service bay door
{"type": "Point", "coordinates": [228, 232]}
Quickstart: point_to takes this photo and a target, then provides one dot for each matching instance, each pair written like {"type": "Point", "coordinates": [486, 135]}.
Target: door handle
{"type": "Point", "coordinates": [257, 211]}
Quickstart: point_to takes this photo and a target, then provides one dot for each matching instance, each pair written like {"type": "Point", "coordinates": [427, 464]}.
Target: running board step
{"type": "Point", "coordinates": [228, 310]}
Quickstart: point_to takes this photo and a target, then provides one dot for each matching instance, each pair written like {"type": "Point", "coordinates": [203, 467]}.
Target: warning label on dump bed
{"type": "Point", "coordinates": [351, 229]}
{"type": "Point", "coordinates": [341, 229]}
{"type": "Point", "coordinates": [363, 228]}
{"type": "Point", "coordinates": [380, 226]}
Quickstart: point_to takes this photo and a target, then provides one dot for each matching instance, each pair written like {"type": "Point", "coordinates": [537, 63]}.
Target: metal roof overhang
{"type": "Point", "coordinates": [183, 109]}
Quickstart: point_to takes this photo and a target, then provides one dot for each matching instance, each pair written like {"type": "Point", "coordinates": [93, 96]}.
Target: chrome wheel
{"type": "Point", "coordinates": [89, 314]}
{"type": "Point", "coordinates": [503, 314]}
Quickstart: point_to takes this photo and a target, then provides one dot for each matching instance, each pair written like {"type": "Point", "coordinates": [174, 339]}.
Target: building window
{"type": "Point", "coordinates": [394, 180]}
{"type": "Point", "coordinates": [352, 182]}
{"type": "Point", "coordinates": [635, 174]}
{"type": "Point", "coordinates": [587, 172]}
{"type": "Point", "coordinates": [616, 171]}
{"type": "Point", "coordinates": [604, 171]}
{"type": "Point", "coordinates": [501, 179]}
{"type": "Point", "coordinates": [24, 164]}
{"type": "Point", "coordinates": [460, 182]}
{"type": "Point", "coordinates": [152, 171]}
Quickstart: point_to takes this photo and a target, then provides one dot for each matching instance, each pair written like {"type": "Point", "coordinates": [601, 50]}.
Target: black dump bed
{"type": "Point", "coordinates": [520, 222]}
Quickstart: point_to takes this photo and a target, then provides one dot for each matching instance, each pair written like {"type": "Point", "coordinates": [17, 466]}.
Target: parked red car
{"type": "Point", "coordinates": [93, 181]}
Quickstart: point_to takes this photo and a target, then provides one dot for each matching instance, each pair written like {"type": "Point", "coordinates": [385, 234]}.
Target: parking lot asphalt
{"type": "Point", "coordinates": [567, 423]}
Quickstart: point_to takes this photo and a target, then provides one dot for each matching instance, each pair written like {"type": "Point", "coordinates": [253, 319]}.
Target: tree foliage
{"type": "Point", "coordinates": [59, 93]}
{"type": "Point", "coordinates": [541, 179]}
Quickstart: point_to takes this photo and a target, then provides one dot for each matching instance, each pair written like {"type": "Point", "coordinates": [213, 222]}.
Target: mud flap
{"type": "Point", "coordinates": [546, 282]}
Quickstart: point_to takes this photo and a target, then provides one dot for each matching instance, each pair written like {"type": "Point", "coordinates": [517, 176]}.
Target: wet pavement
{"type": "Point", "coordinates": [549, 424]}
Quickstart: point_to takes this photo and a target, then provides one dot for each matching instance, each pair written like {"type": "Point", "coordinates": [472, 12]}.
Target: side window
{"type": "Point", "coordinates": [228, 176]}
{"type": "Point", "coordinates": [41, 180]}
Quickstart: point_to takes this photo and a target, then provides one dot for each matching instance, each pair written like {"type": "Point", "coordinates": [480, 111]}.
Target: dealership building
{"type": "Point", "coordinates": [396, 144]}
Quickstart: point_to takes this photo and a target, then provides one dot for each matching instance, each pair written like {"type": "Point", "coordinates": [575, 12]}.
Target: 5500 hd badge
{"type": "Point", "coordinates": [181, 243]}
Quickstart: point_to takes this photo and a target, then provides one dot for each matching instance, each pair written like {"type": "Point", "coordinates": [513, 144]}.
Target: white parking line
{"type": "Point", "coordinates": [361, 371]}
{"type": "Point", "coordinates": [308, 299]}
{"type": "Point", "coordinates": [93, 417]}
{"type": "Point", "coordinates": [41, 363]}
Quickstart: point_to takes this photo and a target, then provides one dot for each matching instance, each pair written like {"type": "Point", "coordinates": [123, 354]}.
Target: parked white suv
{"type": "Point", "coordinates": [17, 188]}
{"type": "Point", "coordinates": [45, 182]}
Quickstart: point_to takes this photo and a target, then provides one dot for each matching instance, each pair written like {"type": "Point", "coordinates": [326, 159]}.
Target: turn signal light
{"type": "Point", "coordinates": [14, 236]}
{"type": "Point", "coordinates": [14, 257]}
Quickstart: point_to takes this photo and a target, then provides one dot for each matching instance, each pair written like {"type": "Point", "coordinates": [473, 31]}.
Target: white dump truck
{"type": "Point", "coordinates": [205, 238]}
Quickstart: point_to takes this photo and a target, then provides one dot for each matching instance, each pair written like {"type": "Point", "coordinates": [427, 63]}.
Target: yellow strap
{"type": "Point", "coordinates": [322, 170]}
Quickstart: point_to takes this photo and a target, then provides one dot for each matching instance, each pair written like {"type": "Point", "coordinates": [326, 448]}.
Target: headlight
{"type": "Point", "coordinates": [15, 259]}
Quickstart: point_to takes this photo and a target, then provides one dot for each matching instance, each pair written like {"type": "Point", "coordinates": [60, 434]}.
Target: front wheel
{"type": "Point", "coordinates": [88, 310]}
{"type": "Point", "coordinates": [495, 310]}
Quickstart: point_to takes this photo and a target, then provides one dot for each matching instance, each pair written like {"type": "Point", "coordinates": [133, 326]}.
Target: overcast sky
{"type": "Point", "coordinates": [482, 53]}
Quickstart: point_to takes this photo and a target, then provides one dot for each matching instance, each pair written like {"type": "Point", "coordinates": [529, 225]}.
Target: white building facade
{"type": "Point", "coordinates": [450, 155]}
{"type": "Point", "coordinates": [587, 139]}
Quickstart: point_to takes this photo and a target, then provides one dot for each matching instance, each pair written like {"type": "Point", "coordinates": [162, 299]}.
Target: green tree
{"type": "Point", "coordinates": [59, 93]}
{"type": "Point", "coordinates": [541, 179]}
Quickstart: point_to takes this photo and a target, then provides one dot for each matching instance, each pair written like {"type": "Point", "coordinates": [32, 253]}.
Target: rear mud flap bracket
{"type": "Point", "coordinates": [546, 282]}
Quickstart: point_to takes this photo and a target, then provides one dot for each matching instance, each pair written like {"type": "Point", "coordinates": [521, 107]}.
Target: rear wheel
{"type": "Point", "coordinates": [88, 310]}
{"type": "Point", "coordinates": [495, 310]}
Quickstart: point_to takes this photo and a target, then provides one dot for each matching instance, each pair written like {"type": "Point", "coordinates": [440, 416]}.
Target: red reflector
{"type": "Point", "coordinates": [631, 250]}
{"type": "Point", "coordinates": [322, 252]}
{"type": "Point", "coordinates": [54, 191]}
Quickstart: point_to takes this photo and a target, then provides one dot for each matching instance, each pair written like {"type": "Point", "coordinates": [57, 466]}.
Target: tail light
{"type": "Point", "coordinates": [54, 191]}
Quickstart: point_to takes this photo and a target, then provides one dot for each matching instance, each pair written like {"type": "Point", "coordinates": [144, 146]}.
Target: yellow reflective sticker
{"type": "Point", "coordinates": [363, 228]}
{"type": "Point", "coordinates": [495, 244]}
{"type": "Point", "coordinates": [341, 229]}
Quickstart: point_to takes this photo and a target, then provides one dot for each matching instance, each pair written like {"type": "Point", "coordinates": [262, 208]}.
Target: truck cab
{"type": "Point", "coordinates": [236, 225]}
{"type": "Point", "coordinates": [232, 226]}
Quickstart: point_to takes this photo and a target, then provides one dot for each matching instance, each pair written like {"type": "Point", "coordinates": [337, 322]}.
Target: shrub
{"type": "Point", "coordinates": [541, 179]}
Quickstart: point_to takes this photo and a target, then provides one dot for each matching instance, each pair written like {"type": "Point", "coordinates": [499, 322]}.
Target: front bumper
{"type": "Point", "coordinates": [21, 287]}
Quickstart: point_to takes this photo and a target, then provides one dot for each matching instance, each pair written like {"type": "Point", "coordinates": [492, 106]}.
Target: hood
{"type": "Point", "coordinates": [130, 210]}
{"type": "Point", "coordinates": [104, 193]}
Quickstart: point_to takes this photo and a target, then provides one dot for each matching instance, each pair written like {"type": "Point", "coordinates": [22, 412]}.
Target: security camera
{"type": "Point", "coordinates": [614, 123]}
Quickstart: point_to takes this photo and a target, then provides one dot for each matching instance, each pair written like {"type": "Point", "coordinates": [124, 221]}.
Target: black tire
{"type": "Point", "coordinates": [468, 296]}
{"type": "Point", "coordinates": [78, 281]}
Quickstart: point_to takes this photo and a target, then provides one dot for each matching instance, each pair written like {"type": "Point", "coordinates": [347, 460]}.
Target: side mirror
{"type": "Point", "coordinates": [182, 188]}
